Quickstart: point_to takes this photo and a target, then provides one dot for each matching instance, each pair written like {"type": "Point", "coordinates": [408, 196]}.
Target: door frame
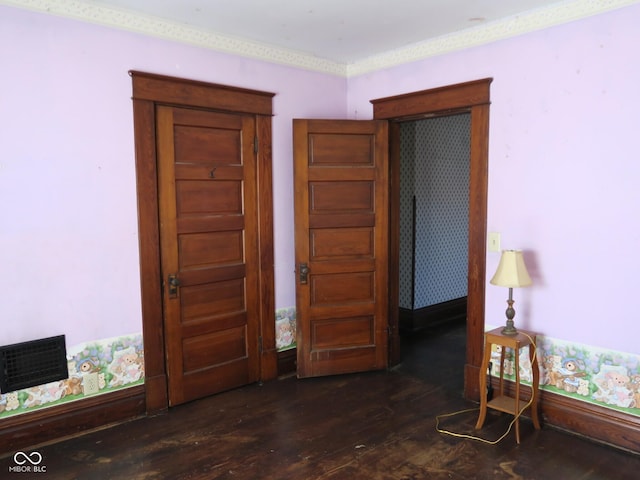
{"type": "Point", "coordinates": [472, 97]}
{"type": "Point", "coordinates": [150, 90]}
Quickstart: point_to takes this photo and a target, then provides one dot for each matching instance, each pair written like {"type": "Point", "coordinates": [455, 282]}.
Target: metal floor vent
{"type": "Point", "coordinates": [27, 364]}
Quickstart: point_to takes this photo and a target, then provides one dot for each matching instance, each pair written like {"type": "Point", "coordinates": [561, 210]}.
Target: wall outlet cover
{"type": "Point", "coordinates": [90, 383]}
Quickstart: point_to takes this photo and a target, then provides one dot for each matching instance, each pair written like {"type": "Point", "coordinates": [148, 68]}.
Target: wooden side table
{"type": "Point", "coordinates": [502, 402]}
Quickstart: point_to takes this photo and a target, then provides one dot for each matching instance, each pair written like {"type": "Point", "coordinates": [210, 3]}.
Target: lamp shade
{"type": "Point", "coordinates": [511, 272]}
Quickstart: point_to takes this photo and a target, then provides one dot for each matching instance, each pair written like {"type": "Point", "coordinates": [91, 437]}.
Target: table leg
{"type": "Point", "coordinates": [535, 384]}
{"type": "Point", "coordinates": [483, 385]}
{"type": "Point", "coordinates": [516, 367]}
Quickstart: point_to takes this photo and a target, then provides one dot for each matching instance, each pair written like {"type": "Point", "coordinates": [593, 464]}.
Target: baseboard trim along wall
{"type": "Point", "coordinates": [54, 423]}
{"type": "Point", "coordinates": [432, 315]}
{"type": "Point", "coordinates": [596, 423]}
{"type": "Point", "coordinates": [600, 424]}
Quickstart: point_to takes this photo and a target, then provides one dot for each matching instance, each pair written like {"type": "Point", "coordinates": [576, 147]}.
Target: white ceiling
{"type": "Point", "coordinates": [343, 37]}
{"type": "Point", "coordinates": [344, 31]}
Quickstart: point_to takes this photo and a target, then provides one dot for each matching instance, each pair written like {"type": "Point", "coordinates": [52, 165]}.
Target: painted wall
{"type": "Point", "coordinates": [563, 168]}
{"type": "Point", "coordinates": [68, 228]}
{"type": "Point", "coordinates": [563, 172]}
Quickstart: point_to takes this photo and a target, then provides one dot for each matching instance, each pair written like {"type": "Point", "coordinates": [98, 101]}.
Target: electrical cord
{"type": "Point", "coordinates": [515, 417]}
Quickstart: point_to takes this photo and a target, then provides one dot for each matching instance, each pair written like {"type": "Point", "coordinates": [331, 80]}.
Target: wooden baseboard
{"type": "Point", "coordinates": [287, 362]}
{"type": "Point", "coordinates": [55, 423]}
{"type": "Point", "coordinates": [471, 383]}
{"type": "Point", "coordinates": [156, 395]}
{"type": "Point", "coordinates": [600, 424]}
{"type": "Point", "coordinates": [433, 315]}
{"type": "Point", "coordinates": [594, 422]}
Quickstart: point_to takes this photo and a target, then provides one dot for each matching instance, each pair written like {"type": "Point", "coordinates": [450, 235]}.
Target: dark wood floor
{"type": "Point", "coordinates": [369, 426]}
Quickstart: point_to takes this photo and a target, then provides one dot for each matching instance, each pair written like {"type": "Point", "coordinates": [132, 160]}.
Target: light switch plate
{"type": "Point", "coordinates": [494, 242]}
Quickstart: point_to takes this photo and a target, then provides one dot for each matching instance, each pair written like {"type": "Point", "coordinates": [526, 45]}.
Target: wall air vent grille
{"type": "Point", "coordinates": [27, 364]}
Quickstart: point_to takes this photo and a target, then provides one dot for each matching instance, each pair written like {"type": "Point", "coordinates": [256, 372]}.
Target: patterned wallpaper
{"type": "Point", "coordinates": [435, 169]}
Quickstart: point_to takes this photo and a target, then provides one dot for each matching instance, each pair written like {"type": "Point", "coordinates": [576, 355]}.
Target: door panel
{"type": "Point", "coordinates": [341, 207]}
{"type": "Point", "coordinates": [208, 230]}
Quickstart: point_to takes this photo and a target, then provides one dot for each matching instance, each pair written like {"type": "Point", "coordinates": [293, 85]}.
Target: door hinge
{"type": "Point", "coordinates": [255, 144]}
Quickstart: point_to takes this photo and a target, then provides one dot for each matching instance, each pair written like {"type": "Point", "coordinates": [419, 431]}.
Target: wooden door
{"type": "Point", "coordinates": [341, 217]}
{"type": "Point", "coordinates": [208, 243]}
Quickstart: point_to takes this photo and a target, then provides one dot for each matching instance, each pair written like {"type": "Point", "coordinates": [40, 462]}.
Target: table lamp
{"type": "Point", "coordinates": [511, 273]}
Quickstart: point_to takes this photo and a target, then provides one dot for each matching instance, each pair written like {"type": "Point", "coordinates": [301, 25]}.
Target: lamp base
{"type": "Point", "coordinates": [509, 330]}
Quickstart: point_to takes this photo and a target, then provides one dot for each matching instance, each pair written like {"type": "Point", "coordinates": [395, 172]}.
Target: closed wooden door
{"type": "Point", "coordinates": [342, 231]}
{"type": "Point", "coordinates": [209, 250]}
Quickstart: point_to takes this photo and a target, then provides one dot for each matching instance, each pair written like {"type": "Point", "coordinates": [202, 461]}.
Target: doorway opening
{"type": "Point", "coordinates": [472, 97]}
{"type": "Point", "coordinates": [434, 212]}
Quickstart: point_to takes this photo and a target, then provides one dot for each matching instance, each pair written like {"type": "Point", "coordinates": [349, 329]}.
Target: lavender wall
{"type": "Point", "coordinates": [68, 225]}
{"type": "Point", "coordinates": [564, 173]}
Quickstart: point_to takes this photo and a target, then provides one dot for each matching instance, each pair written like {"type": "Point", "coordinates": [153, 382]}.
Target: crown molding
{"type": "Point", "coordinates": [538, 19]}
{"type": "Point", "coordinates": [557, 14]}
{"type": "Point", "coordinates": [173, 31]}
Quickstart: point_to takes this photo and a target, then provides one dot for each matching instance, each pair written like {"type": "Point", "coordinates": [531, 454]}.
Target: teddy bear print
{"type": "Point", "coordinates": [285, 333]}
{"type": "Point", "coordinates": [634, 386]}
{"type": "Point", "coordinates": [571, 370]}
{"type": "Point", "coordinates": [547, 368]}
{"type": "Point", "coordinates": [618, 384]}
{"type": "Point", "coordinates": [583, 387]}
{"type": "Point", "coordinates": [613, 385]}
{"type": "Point", "coordinates": [12, 401]}
{"type": "Point", "coordinates": [126, 367]}
{"type": "Point", "coordinates": [564, 373]}
{"type": "Point", "coordinates": [87, 365]}
{"type": "Point", "coordinates": [496, 357]}
{"type": "Point", "coordinates": [42, 394]}
{"type": "Point", "coordinates": [73, 386]}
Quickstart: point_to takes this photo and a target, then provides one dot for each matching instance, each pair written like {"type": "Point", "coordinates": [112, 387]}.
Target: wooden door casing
{"type": "Point", "coordinates": [151, 91]}
{"type": "Point", "coordinates": [341, 210]}
{"type": "Point", "coordinates": [473, 97]}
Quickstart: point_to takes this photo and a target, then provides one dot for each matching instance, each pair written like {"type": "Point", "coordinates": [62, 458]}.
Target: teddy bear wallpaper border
{"type": "Point", "coordinates": [106, 365]}
{"type": "Point", "coordinates": [285, 328]}
{"type": "Point", "coordinates": [590, 374]}
{"type": "Point", "coordinates": [95, 367]}
{"type": "Point", "coordinates": [595, 375]}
